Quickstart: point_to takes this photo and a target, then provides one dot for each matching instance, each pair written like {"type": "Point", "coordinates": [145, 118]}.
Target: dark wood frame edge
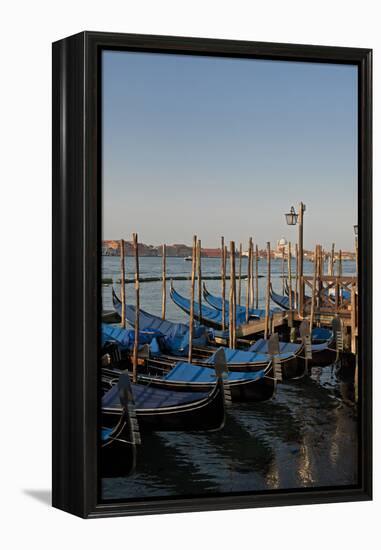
{"type": "Point", "coordinates": [76, 262]}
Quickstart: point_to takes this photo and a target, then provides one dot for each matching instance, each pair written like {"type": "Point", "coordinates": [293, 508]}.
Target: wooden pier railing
{"type": "Point", "coordinates": [329, 294]}
{"type": "Point", "coordinates": [333, 296]}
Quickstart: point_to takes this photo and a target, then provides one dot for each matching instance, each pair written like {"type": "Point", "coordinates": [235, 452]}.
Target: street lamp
{"type": "Point", "coordinates": [356, 229]}
{"type": "Point", "coordinates": [292, 218]}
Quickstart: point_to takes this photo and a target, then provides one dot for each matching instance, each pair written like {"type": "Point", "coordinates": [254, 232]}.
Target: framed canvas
{"type": "Point", "coordinates": [212, 287]}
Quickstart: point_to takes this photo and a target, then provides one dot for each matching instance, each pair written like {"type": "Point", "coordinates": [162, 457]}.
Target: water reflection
{"type": "Point", "coordinates": [305, 437]}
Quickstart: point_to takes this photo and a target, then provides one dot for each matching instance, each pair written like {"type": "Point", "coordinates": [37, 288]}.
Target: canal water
{"type": "Point", "coordinates": [306, 436]}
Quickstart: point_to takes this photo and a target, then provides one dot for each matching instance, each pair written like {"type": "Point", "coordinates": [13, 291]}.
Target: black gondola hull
{"type": "Point", "coordinates": [324, 357]}
{"type": "Point", "coordinates": [207, 414]}
{"type": "Point", "coordinates": [292, 367]}
{"type": "Point", "coordinates": [240, 391]}
{"type": "Point", "coordinates": [118, 453]}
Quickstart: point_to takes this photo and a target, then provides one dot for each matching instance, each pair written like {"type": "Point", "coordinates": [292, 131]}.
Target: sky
{"type": "Point", "coordinates": [221, 146]}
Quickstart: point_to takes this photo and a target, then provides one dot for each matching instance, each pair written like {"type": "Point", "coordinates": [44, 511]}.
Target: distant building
{"type": "Point", "coordinates": [281, 248]}
{"type": "Point", "coordinates": [281, 245]}
{"type": "Point", "coordinates": [211, 252]}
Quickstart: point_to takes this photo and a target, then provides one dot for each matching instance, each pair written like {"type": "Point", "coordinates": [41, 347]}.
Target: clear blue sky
{"type": "Point", "coordinates": [217, 146]}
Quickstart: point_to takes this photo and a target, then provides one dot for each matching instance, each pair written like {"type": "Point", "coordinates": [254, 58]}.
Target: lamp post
{"type": "Point", "coordinates": [292, 218]}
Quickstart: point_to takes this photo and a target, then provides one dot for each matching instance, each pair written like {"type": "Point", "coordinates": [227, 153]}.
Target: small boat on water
{"type": "Point", "coordinates": [216, 302]}
{"type": "Point", "coordinates": [292, 363]}
{"type": "Point", "coordinates": [256, 385]}
{"type": "Point", "coordinates": [322, 335]}
{"type": "Point", "coordinates": [174, 336]}
{"type": "Point", "coordinates": [163, 409]}
{"type": "Point", "coordinates": [279, 299]}
{"type": "Point", "coordinates": [210, 317]}
{"type": "Point", "coordinates": [147, 322]}
{"type": "Point", "coordinates": [330, 293]}
{"type": "Point", "coordinates": [322, 354]}
{"type": "Point", "coordinates": [163, 371]}
{"type": "Point", "coordinates": [307, 298]}
{"type": "Point", "coordinates": [238, 361]}
{"type": "Point", "coordinates": [119, 435]}
{"type": "Point", "coordinates": [188, 259]}
{"type": "Point", "coordinates": [125, 338]}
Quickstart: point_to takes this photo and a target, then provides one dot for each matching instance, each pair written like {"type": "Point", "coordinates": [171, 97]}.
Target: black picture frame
{"type": "Point", "coordinates": [76, 268]}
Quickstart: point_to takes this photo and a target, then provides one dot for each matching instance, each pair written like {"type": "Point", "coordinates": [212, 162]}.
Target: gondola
{"type": "Point", "coordinates": [164, 371]}
{"type": "Point", "coordinates": [329, 293]}
{"type": "Point", "coordinates": [160, 409]}
{"type": "Point", "coordinates": [126, 338]}
{"type": "Point", "coordinates": [238, 361]}
{"type": "Point", "coordinates": [146, 320]}
{"type": "Point", "coordinates": [243, 386]}
{"type": "Point", "coordinates": [322, 354]}
{"type": "Point", "coordinates": [287, 291]}
{"type": "Point", "coordinates": [120, 435]}
{"type": "Point", "coordinates": [291, 363]}
{"type": "Point", "coordinates": [251, 360]}
{"type": "Point", "coordinates": [321, 335]}
{"type": "Point", "coordinates": [175, 336]}
{"type": "Point", "coordinates": [216, 302]}
{"type": "Point", "coordinates": [153, 340]}
{"type": "Point", "coordinates": [210, 317]}
{"type": "Point", "coordinates": [279, 300]}
{"type": "Point", "coordinates": [307, 299]}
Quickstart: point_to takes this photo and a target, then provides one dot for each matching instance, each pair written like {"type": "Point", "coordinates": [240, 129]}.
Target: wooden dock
{"type": "Point", "coordinates": [259, 325]}
{"type": "Point", "coordinates": [330, 302]}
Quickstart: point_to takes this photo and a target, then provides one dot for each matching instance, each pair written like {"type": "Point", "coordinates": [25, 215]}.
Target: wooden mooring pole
{"type": "Point", "coordinates": [248, 283]}
{"type": "Point", "coordinates": [283, 280]}
{"type": "Point", "coordinates": [340, 273]}
{"type": "Point", "coordinates": [267, 313]}
{"type": "Point", "coordinates": [232, 298]}
{"type": "Point", "coordinates": [301, 259]}
{"type": "Point", "coordinates": [332, 262]}
{"type": "Point", "coordinates": [319, 274]}
{"type": "Point", "coordinates": [256, 277]}
{"type": "Point", "coordinates": [353, 319]}
{"type": "Point", "coordinates": [251, 297]}
{"type": "Point", "coordinates": [137, 308]}
{"type": "Point", "coordinates": [322, 261]}
{"type": "Point", "coordinates": [313, 293]}
{"type": "Point", "coordinates": [290, 305]}
{"type": "Point", "coordinates": [122, 283]}
{"type": "Point", "coordinates": [252, 275]}
{"type": "Point", "coordinates": [296, 293]}
{"type": "Point", "coordinates": [164, 290]}
{"type": "Point", "coordinates": [239, 273]}
{"type": "Point", "coordinates": [199, 280]}
{"type": "Point", "coordinates": [233, 280]}
{"type": "Point", "coordinates": [191, 313]}
{"type": "Point", "coordinates": [223, 280]}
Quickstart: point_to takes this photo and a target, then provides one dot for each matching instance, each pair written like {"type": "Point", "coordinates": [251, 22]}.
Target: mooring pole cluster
{"type": "Point", "coordinates": [332, 295]}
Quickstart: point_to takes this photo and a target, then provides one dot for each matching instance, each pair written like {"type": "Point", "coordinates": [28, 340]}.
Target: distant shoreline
{"type": "Point", "coordinates": [112, 248]}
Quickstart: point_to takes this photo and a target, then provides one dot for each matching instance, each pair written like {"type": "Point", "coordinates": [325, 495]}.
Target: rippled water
{"type": "Point", "coordinates": [306, 436]}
